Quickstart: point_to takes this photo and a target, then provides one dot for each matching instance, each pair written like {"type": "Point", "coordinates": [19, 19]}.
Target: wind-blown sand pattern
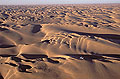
{"type": "Point", "coordinates": [60, 42]}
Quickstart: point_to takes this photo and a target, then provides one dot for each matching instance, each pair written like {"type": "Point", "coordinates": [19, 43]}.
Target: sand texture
{"type": "Point", "coordinates": [60, 42]}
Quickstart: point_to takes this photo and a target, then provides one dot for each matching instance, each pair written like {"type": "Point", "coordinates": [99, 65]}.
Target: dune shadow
{"type": "Point", "coordinates": [22, 68]}
{"type": "Point", "coordinates": [112, 55]}
{"type": "Point", "coordinates": [34, 56]}
{"type": "Point", "coordinates": [46, 41]}
{"type": "Point", "coordinates": [36, 28]}
{"type": "Point", "coordinates": [85, 57]}
{"type": "Point", "coordinates": [59, 58]}
{"type": "Point", "coordinates": [7, 46]}
{"type": "Point", "coordinates": [3, 29]}
{"type": "Point", "coordinates": [5, 25]}
{"type": "Point", "coordinates": [6, 55]}
{"type": "Point", "coordinates": [1, 77]}
{"type": "Point", "coordinates": [52, 61]}
{"type": "Point", "coordinates": [16, 59]}
{"type": "Point", "coordinates": [98, 57]}
{"type": "Point", "coordinates": [11, 64]}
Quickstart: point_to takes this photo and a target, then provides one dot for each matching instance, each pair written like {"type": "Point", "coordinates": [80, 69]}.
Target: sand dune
{"type": "Point", "coordinates": [60, 42]}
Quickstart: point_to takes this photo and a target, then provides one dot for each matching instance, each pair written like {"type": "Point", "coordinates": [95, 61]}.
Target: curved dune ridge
{"type": "Point", "coordinates": [59, 49]}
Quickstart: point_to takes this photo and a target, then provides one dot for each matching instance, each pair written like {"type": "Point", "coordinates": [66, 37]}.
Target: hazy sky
{"type": "Point", "coordinates": [19, 2]}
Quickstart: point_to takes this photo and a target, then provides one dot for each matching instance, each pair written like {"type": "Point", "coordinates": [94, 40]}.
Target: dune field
{"type": "Point", "coordinates": [60, 41]}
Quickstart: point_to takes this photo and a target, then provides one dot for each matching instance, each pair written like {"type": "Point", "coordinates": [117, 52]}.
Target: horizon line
{"type": "Point", "coordinates": [57, 4]}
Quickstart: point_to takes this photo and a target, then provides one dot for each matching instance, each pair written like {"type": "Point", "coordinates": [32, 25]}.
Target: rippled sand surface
{"type": "Point", "coordinates": [60, 42]}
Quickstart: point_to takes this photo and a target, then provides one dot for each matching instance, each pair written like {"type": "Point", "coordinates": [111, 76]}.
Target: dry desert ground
{"type": "Point", "coordinates": [60, 41]}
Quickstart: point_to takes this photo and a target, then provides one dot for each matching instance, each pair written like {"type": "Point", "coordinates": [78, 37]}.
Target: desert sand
{"type": "Point", "coordinates": [60, 41]}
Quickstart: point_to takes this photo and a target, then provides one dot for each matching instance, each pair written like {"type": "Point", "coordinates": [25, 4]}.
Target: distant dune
{"type": "Point", "coordinates": [60, 42]}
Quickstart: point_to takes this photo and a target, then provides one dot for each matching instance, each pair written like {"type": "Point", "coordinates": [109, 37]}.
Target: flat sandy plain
{"type": "Point", "coordinates": [60, 42]}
